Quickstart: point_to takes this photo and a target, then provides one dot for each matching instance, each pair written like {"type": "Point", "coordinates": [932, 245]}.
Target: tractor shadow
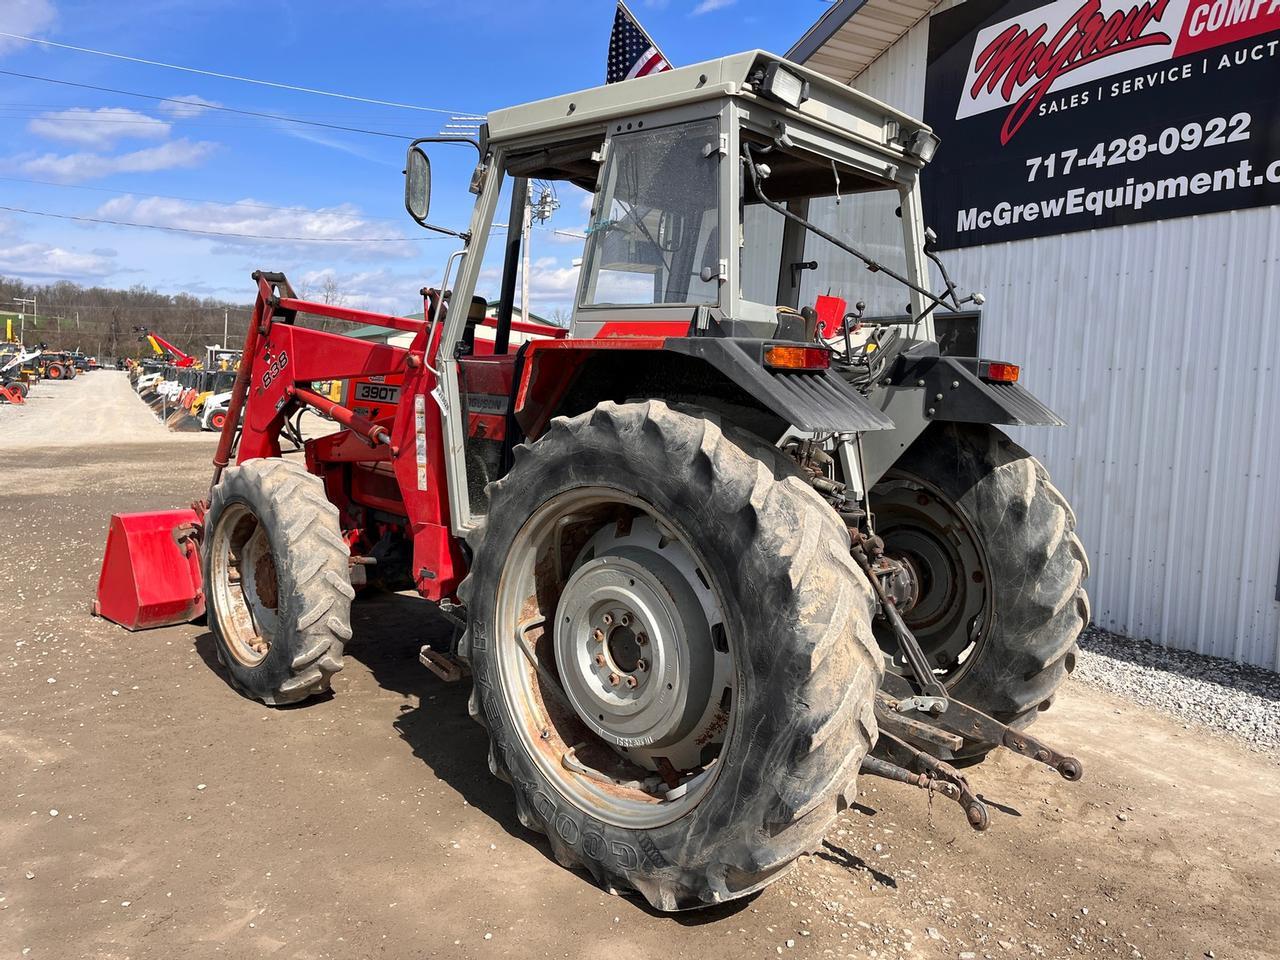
{"type": "Point", "coordinates": [848, 860]}
{"type": "Point", "coordinates": [387, 631]}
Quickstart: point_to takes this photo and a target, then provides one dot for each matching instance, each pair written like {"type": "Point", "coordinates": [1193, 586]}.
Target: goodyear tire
{"type": "Point", "coordinates": [617, 519]}
{"type": "Point", "coordinates": [277, 587]}
{"type": "Point", "coordinates": [1000, 568]}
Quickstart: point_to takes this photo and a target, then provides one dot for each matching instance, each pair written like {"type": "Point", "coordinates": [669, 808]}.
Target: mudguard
{"type": "Point", "coordinates": [568, 376]}
{"type": "Point", "coordinates": [952, 391]}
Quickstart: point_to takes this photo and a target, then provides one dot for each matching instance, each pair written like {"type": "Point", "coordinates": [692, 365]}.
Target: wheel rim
{"type": "Point", "coordinates": [630, 705]}
{"type": "Point", "coordinates": [924, 528]}
{"type": "Point", "coordinates": [244, 586]}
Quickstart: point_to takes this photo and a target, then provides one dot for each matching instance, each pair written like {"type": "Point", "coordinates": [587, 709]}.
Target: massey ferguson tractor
{"type": "Point", "coordinates": [711, 556]}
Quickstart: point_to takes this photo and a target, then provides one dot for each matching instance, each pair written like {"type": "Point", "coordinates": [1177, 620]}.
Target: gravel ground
{"type": "Point", "coordinates": [1236, 699]}
{"type": "Point", "coordinates": [148, 812]}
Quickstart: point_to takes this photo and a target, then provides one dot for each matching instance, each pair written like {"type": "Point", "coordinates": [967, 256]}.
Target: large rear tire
{"type": "Point", "coordinates": [1000, 569]}
{"type": "Point", "coordinates": [641, 524]}
{"type": "Point", "coordinates": [276, 581]}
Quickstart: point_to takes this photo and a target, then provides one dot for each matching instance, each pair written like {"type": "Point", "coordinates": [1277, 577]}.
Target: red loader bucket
{"type": "Point", "coordinates": [151, 571]}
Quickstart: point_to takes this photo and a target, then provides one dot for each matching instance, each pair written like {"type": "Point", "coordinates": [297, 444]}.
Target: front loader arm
{"type": "Point", "coordinates": [282, 360]}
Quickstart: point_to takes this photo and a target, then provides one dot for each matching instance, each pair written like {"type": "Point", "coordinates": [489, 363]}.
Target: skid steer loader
{"type": "Point", "coordinates": [723, 548]}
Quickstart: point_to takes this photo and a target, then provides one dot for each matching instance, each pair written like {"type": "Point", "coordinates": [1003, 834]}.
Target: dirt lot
{"type": "Point", "coordinates": [148, 811]}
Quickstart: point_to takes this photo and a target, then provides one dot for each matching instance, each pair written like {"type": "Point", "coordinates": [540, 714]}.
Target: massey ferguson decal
{"type": "Point", "coordinates": [1081, 114]}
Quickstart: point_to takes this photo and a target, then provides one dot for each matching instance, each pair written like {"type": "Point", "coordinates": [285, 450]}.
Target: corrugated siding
{"type": "Point", "coordinates": [1158, 343]}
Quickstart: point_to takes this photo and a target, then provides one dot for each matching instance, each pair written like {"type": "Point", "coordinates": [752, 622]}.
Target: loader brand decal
{"type": "Point", "coordinates": [273, 371]}
{"type": "Point", "coordinates": [1080, 114]}
{"type": "Point", "coordinates": [377, 392]}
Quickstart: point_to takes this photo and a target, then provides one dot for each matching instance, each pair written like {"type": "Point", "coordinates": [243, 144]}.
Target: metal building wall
{"type": "Point", "coordinates": [1159, 344]}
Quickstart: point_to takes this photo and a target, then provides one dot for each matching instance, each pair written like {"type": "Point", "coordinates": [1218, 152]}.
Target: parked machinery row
{"type": "Point", "coordinates": [21, 368]}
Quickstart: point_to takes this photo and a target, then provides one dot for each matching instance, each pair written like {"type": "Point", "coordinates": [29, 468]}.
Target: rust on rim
{"type": "Point", "coordinates": [244, 586]}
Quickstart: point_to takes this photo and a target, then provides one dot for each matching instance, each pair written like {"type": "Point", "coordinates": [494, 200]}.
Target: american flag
{"type": "Point", "coordinates": [631, 51]}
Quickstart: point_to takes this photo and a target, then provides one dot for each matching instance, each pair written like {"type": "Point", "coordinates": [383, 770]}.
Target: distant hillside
{"type": "Point", "coordinates": [101, 321]}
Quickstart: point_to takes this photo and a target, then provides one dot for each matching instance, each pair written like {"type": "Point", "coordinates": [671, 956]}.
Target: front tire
{"type": "Point", "coordinates": [1001, 571]}
{"type": "Point", "coordinates": [276, 581]}
{"type": "Point", "coordinates": [641, 516]}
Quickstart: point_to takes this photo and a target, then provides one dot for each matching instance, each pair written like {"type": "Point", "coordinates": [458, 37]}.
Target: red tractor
{"type": "Point", "coordinates": [719, 550]}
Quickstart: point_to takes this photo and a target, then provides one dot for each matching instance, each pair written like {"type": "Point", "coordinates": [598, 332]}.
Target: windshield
{"type": "Point", "coordinates": [654, 236]}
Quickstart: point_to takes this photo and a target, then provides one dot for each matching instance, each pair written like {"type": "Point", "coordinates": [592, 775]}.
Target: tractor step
{"type": "Point", "coordinates": [446, 667]}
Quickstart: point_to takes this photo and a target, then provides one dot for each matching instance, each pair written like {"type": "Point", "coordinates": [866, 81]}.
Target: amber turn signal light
{"type": "Point", "coordinates": [995, 372]}
{"type": "Point", "coordinates": [797, 358]}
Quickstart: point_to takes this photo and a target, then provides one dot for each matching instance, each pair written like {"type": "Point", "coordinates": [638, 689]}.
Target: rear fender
{"type": "Point", "coordinates": [568, 377]}
{"type": "Point", "coordinates": [926, 388]}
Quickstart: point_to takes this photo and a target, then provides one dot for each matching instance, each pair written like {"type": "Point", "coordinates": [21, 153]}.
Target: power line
{"type": "Point", "coordinates": [216, 233]}
{"type": "Point", "coordinates": [228, 76]}
{"type": "Point", "coordinates": [208, 106]}
{"type": "Point", "coordinates": [167, 196]}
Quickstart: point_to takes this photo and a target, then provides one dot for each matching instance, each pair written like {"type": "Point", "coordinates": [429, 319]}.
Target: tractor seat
{"type": "Point", "coordinates": [475, 316]}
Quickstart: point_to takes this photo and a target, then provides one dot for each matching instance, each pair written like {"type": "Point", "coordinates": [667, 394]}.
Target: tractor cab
{"type": "Point", "coordinates": [699, 263]}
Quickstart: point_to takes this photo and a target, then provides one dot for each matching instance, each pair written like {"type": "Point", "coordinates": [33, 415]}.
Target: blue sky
{"type": "Point", "coordinates": [100, 154]}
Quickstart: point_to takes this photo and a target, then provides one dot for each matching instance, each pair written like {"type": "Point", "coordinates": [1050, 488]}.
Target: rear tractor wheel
{"type": "Point", "coordinates": [999, 570]}
{"type": "Point", "coordinates": [276, 581]}
{"type": "Point", "coordinates": [672, 652]}
{"type": "Point", "coordinates": [56, 371]}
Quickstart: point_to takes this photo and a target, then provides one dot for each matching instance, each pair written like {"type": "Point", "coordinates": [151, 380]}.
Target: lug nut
{"type": "Point", "coordinates": [607, 618]}
{"type": "Point", "coordinates": [632, 682]}
{"type": "Point", "coordinates": [599, 659]}
{"type": "Point", "coordinates": [642, 639]}
{"type": "Point", "coordinates": [598, 636]}
{"type": "Point", "coordinates": [613, 679]}
{"type": "Point", "coordinates": [642, 665]}
{"type": "Point", "coordinates": [626, 619]}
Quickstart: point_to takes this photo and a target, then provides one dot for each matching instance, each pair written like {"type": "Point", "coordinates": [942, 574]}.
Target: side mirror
{"type": "Point", "coordinates": [417, 184]}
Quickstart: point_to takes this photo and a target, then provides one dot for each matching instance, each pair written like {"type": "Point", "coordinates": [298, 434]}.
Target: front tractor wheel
{"type": "Point", "coordinates": [276, 581]}
{"type": "Point", "coordinates": [997, 567]}
{"type": "Point", "coordinates": [672, 652]}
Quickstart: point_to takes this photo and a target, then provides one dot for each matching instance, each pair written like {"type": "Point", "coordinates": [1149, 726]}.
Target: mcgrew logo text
{"type": "Point", "coordinates": [1134, 195]}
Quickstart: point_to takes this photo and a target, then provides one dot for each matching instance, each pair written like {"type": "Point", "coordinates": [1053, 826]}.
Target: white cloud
{"type": "Point", "coordinates": [98, 128]}
{"type": "Point", "coordinates": [709, 6]}
{"type": "Point", "coordinates": [248, 216]}
{"type": "Point", "coordinates": [75, 167]}
{"type": "Point", "coordinates": [186, 106]}
{"type": "Point", "coordinates": [28, 18]}
{"type": "Point", "coordinates": [381, 291]}
{"type": "Point", "coordinates": [41, 261]}
{"type": "Point", "coordinates": [549, 280]}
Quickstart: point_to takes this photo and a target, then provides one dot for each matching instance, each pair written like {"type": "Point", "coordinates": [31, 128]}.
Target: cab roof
{"type": "Point", "coordinates": [830, 104]}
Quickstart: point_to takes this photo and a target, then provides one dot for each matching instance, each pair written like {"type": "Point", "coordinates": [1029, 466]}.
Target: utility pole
{"type": "Point", "coordinates": [22, 323]}
{"type": "Point", "coordinates": [224, 329]}
{"type": "Point", "coordinates": [541, 211]}
{"type": "Point", "coordinates": [526, 226]}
